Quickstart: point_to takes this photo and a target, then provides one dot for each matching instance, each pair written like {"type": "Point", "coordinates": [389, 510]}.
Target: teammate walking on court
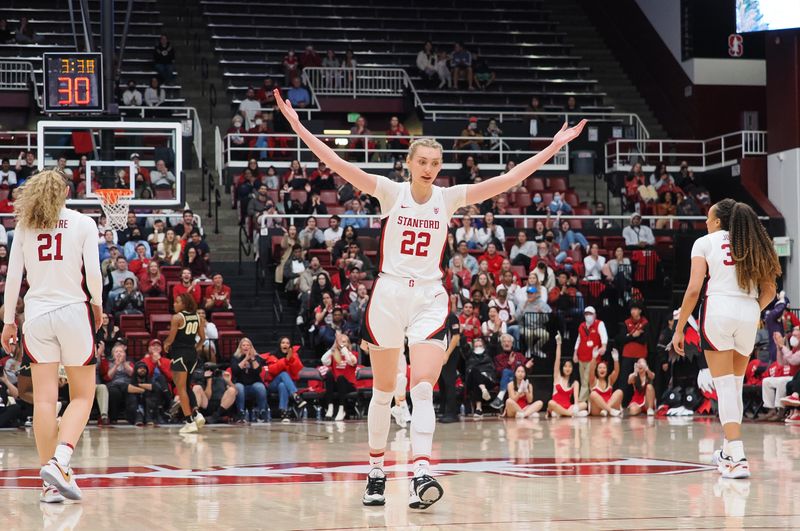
{"type": "Point", "coordinates": [182, 344]}
{"type": "Point", "coordinates": [408, 299]}
{"type": "Point", "coordinates": [737, 258]}
{"type": "Point", "coordinates": [58, 249]}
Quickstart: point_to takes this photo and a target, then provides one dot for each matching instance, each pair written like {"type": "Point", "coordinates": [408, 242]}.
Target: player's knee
{"type": "Point", "coordinates": [423, 391]}
{"type": "Point", "coordinates": [382, 397]}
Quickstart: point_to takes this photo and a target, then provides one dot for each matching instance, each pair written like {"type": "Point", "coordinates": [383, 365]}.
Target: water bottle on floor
{"type": "Point", "coordinates": [462, 410]}
{"type": "Point", "coordinates": [269, 415]}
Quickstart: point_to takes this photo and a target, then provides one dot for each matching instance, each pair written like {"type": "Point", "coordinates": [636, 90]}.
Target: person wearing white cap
{"type": "Point", "coordinates": [636, 235]}
{"type": "Point", "coordinates": [592, 341]}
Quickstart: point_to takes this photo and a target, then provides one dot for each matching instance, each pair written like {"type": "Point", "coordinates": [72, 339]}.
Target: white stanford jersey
{"type": "Point", "coordinates": [716, 249]}
{"type": "Point", "coordinates": [413, 236]}
{"type": "Point", "coordinates": [63, 266]}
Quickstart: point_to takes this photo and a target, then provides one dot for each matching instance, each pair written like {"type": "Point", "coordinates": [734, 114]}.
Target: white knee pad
{"type": "Point", "coordinates": [726, 399]}
{"type": "Point", "coordinates": [739, 398]}
{"type": "Point", "coordinates": [379, 418]}
{"type": "Point", "coordinates": [423, 419]}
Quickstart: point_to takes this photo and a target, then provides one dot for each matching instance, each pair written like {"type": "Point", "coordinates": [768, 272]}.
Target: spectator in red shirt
{"type": "Point", "coordinates": [340, 379]}
{"type": "Point", "coordinates": [152, 282]}
{"type": "Point", "coordinates": [310, 58]}
{"type": "Point", "coordinates": [634, 343]}
{"type": "Point", "coordinates": [265, 94]}
{"type": "Point", "coordinates": [470, 324]}
{"type": "Point", "coordinates": [7, 204]}
{"type": "Point", "coordinates": [505, 267]}
{"type": "Point", "coordinates": [139, 264]}
{"type": "Point", "coordinates": [505, 362]}
{"type": "Point", "coordinates": [321, 178]}
{"type": "Point", "coordinates": [154, 360]}
{"type": "Point", "coordinates": [279, 375]}
{"type": "Point", "coordinates": [350, 291]}
{"type": "Point", "coordinates": [187, 285]}
{"type": "Point", "coordinates": [217, 296]}
{"type": "Point", "coordinates": [399, 144]}
{"type": "Point", "coordinates": [493, 258]}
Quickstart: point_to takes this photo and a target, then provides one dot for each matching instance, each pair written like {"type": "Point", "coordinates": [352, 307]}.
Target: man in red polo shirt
{"type": "Point", "coordinates": [218, 296]}
{"type": "Point", "coordinates": [592, 336]}
{"type": "Point", "coordinates": [187, 285]}
{"type": "Point", "coordinates": [494, 259]}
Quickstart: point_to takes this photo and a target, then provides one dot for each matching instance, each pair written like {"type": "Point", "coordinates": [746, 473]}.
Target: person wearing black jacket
{"type": "Point", "coordinates": [246, 366]}
{"type": "Point", "coordinates": [447, 379]}
{"type": "Point", "coordinates": [480, 375]}
{"type": "Point", "coordinates": [164, 59]}
{"type": "Point", "coordinates": [141, 403]}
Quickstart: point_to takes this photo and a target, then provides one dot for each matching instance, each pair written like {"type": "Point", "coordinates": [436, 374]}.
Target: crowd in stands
{"type": "Point", "coordinates": [21, 33]}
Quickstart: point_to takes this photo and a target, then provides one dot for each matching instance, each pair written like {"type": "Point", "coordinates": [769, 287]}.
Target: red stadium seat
{"type": "Point", "coordinates": [228, 342]}
{"type": "Point", "coordinates": [153, 305]}
{"type": "Point", "coordinates": [572, 199]}
{"type": "Point", "coordinates": [137, 344]}
{"type": "Point", "coordinates": [557, 184]}
{"type": "Point", "coordinates": [224, 320]}
{"type": "Point", "coordinates": [298, 195]}
{"type": "Point", "coordinates": [171, 273]}
{"type": "Point", "coordinates": [522, 199]}
{"type": "Point", "coordinates": [612, 242]}
{"type": "Point", "coordinates": [520, 271]}
{"type": "Point", "coordinates": [131, 323]}
{"type": "Point", "coordinates": [329, 197]}
{"type": "Point", "coordinates": [158, 322]}
{"type": "Point", "coordinates": [534, 184]}
{"type": "Point", "coordinates": [547, 197]}
{"type": "Point", "coordinates": [336, 209]}
{"type": "Point", "coordinates": [323, 254]}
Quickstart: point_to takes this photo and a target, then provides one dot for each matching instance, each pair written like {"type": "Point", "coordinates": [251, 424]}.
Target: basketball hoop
{"type": "Point", "coordinates": [115, 203]}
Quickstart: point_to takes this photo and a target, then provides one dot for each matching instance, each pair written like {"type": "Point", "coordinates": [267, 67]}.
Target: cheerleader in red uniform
{"type": "Point", "coordinates": [644, 394]}
{"type": "Point", "coordinates": [604, 400]}
{"type": "Point", "coordinates": [520, 403]}
{"type": "Point", "coordinates": [565, 395]}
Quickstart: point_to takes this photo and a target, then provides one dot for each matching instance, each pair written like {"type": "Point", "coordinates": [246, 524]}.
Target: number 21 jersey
{"type": "Point", "coordinates": [414, 236]}
{"type": "Point", "coordinates": [716, 249]}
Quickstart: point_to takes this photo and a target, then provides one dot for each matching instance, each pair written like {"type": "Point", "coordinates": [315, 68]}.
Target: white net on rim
{"type": "Point", "coordinates": [115, 205]}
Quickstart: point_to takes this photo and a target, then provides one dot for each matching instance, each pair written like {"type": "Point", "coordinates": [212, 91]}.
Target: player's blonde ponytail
{"type": "Point", "coordinates": [40, 200]}
{"type": "Point", "coordinates": [751, 246]}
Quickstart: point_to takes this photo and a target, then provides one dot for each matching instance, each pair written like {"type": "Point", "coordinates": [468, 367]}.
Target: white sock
{"type": "Point", "coordinates": [735, 449]}
{"type": "Point", "coordinates": [376, 460]}
{"type": "Point", "coordinates": [422, 467]}
{"type": "Point", "coordinates": [739, 400]}
{"type": "Point", "coordinates": [423, 420]}
{"type": "Point", "coordinates": [379, 417]}
{"type": "Point", "coordinates": [63, 454]}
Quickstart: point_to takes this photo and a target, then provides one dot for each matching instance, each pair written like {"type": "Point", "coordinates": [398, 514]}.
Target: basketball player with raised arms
{"type": "Point", "coordinates": [57, 247]}
{"type": "Point", "coordinates": [408, 298]}
{"type": "Point", "coordinates": [740, 263]}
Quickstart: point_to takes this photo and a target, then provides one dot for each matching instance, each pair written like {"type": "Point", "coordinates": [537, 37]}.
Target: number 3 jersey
{"type": "Point", "coordinates": [716, 249]}
{"type": "Point", "coordinates": [414, 236]}
{"type": "Point", "coordinates": [62, 264]}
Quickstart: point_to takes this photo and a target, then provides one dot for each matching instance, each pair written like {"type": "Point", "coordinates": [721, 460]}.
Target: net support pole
{"type": "Point", "coordinates": [109, 74]}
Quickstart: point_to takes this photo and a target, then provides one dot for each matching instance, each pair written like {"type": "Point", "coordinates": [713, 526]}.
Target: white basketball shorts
{"type": "Point", "coordinates": [65, 335]}
{"type": "Point", "coordinates": [729, 323]}
{"type": "Point", "coordinates": [402, 307]}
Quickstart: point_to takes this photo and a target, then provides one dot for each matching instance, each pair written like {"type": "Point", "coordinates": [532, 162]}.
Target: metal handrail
{"type": "Point", "coordinates": [702, 155]}
{"type": "Point", "coordinates": [17, 75]}
{"type": "Point", "coordinates": [365, 153]}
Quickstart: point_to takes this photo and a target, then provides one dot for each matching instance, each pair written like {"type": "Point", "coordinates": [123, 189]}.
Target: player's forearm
{"type": "Point", "coordinates": [13, 282]}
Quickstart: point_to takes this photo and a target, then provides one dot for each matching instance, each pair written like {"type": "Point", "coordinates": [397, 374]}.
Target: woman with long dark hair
{"type": "Point", "coordinates": [520, 403]}
{"type": "Point", "coordinates": [738, 258]}
{"type": "Point", "coordinates": [565, 394]}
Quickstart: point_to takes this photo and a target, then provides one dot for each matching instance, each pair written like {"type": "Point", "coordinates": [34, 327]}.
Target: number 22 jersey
{"type": "Point", "coordinates": [414, 236]}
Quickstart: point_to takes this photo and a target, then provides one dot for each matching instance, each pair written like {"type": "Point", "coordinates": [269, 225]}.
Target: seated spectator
{"type": "Point", "coordinates": [217, 396]}
{"type": "Point", "coordinates": [569, 239]}
{"type": "Point", "coordinates": [152, 281]}
{"type": "Point", "coordinates": [565, 297]}
{"type": "Point", "coordinates": [442, 67]}
{"type": "Point", "coordinates": [141, 261]}
{"type": "Point", "coordinates": [572, 109]}
{"type": "Point", "coordinates": [505, 267]}
{"type": "Point", "coordinates": [322, 178]}
{"type": "Point", "coordinates": [249, 108]}
{"type": "Point", "coordinates": [327, 328]}
{"type": "Point", "coordinates": [265, 95]}
{"type": "Point", "coordinates": [310, 58]}
{"type": "Point", "coordinates": [470, 262]}
{"type": "Point", "coordinates": [618, 269]}
{"type": "Point", "coordinates": [108, 333]}
{"type": "Point", "coordinates": [492, 257]}
{"type": "Point", "coordinates": [154, 95]}
{"type": "Point", "coordinates": [144, 397]}
{"type": "Point", "coordinates": [25, 33]}
{"type": "Point", "coordinates": [356, 146]}
{"type": "Point", "coordinates": [354, 257]}
{"type": "Point", "coordinates": [290, 66]}
{"type": "Point", "coordinates": [134, 240]}
{"type": "Point", "coordinates": [164, 59]}
{"type": "Point", "coordinates": [170, 250]}
{"type": "Point", "coordinates": [398, 138]}
{"type": "Point", "coordinates": [129, 301]}
{"type": "Point", "coordinates": [533, 329]}
{"type": "Point", "coordinates": [593, 263]}
{"type": "Point", "coordinates": [350, 290]}
{"type": "Point", "coordinates": [426, 61]}
{"type": "Point", "coordinates": [119, 378]}
{"type": "Point", "coordinates": [544, 256]}
{"type": "Point", "coordinates": [461, 63]}
{"type": "Point", "coordinates": [491, 233]}
{"type": "Point", "coordinates": [483, 75]}
{"type": "Point", "coordinates": [258, 202]}
{"type": "Point", "coordinates": [461, 276]}
{"type": "Point", "coordinates": [196, 242]}
{"type": "Point", "coordinates": [209, 347]}
{"type": "Point", "coordinates": [333, 233]}
{"type": "Point", "coordinates": [156, 362]}
{"type": "Point", "coordinates": [158, 234]}
{"type": "Point", "coordinates": [781, 372]}
{"type": "Point", "coordinates": [9, 412]}
{"type": "Point", "coordinates": [292, 270]}
{"type": "Point", "coordinates": [356, 209]}
{"type": "Point", "coordinates": [187, 285]}
{"type": "Point", "coordinates": [537, 208]}
{"type": "Point", "coordinates": [521, 296]}
{"type": "Point", "coordinates": [237, 141]}
{"type": "Point", "coordinates": [358, 308]}
{"type": "Point", "coordinates": [246, 367]}
{"type": "Point", "coordinates": [162, 177]}
{"type": "Point", "coordinates": [298, 94]}
{"type": "Point", "coordinates": [187, 225]}
{"type": "Point", "coordinates": [638, 236]}
{"type": "Point", "coordinates": [217, 296]}
{"type": "Point", "coordinates": [131, 97]}
{"type": "Point", "coordinates": [505, 362]}
{"type": "Point", "coordinates": [104, 248]}
{"type": "Point", "coordinates": [520, 403]}
{"type": "Point", "coordinates": [484, 283]}
{"type": "Point", "coordinates": [467, 233]}
{"type": "Point", "coordinates": [479, 375]}
{"type": "Point", "coordinates": [470, 324]}
{"type": "Point", "coordinates": [118, 277]}
{"type": "Point", "coordinates": [470, 140]}
{"type": "Point", "coordinates": [196, 264]}
{"type": "Point", "coordinates": [660, 176]}
{"type": "Point", "coordinates": [281, 371]}
{"type": "Point", "coordinates": [559, 207]}
{"type": "Point", "coordinates": [311, 237]}
{"type": "Point", "coordinates": [340, 379]}
{"type": "Point", "coordinates": [8, 177]}
{"type": "Point", "coordinates": [665, 207]}
{"type": "Point", "coordinates": [493, 327]}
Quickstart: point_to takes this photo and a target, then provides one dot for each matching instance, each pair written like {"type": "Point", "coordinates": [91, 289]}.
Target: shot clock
{"type": "Point", "coordinates": [73, 82]}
